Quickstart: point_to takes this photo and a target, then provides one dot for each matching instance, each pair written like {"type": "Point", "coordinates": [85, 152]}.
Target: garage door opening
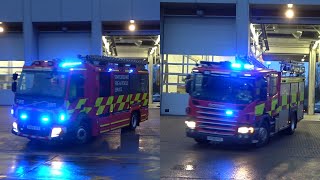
{"type": "Point", "coordinates": [289, 33]}
{"type": "Point", "coordinates": [143, 44]}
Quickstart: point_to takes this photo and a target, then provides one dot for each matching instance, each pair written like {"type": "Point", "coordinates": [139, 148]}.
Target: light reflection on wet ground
{"type": "Point", "coordinates": [131, 155]}
{"type": "Point", "coordinates": [286, 157]}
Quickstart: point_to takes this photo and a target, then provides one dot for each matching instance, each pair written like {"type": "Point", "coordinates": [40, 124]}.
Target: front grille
{"type": "Point", "coordinates": [213, 120]}
{"type": "Point", "coordinates": [43, 132]}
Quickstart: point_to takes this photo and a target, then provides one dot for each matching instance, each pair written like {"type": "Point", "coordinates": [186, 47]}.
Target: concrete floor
{"type": "Point", "coordinates": [285, 157]}
{"type": "Point", "coordinates": [112, 156]}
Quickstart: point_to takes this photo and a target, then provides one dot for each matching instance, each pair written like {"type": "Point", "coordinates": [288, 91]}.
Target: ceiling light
{"type": "Point", "coordinates": [1, 29]}
{"type": "Point", "coordinates": [302, 59]}
{"type": "Point", "coordinates": [289, 13]}
{"type": "Point", "coordinates": [131, 21]}
{"type": "Point", "coordinates": [132, 27]}
{"type": "Point", "coordinates": [290, 5]}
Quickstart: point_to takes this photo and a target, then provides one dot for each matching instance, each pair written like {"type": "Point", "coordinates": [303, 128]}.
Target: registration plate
{"type": "Point", "coordinates": [37, 128]}
{"type": "Point", "coordinates": [215, 139]}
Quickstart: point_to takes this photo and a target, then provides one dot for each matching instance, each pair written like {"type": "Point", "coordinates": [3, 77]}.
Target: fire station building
{"type": "Point", "coordinates": [191, 31]}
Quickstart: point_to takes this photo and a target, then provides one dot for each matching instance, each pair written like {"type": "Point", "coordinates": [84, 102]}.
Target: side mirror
{"type": "Point", "coordinates": [188, 86]}
{"type": "Point", "coordinates": [15, 76]}
{"type": "Point", "coordinates": [14, 87]}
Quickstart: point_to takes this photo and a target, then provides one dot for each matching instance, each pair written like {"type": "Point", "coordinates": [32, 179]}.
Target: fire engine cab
{"type": "Point", "coordinates": [79, 99]}
{"type": "Point", "coordinates": [239, 103]}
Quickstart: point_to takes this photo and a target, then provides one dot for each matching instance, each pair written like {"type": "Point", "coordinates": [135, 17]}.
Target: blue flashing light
{"type": "Point", "coordinates": [110, 69]}
{"type": "Point", "coordinates": [45, 118]}
{"type": "Point", "coordinates": [248, 66]}
{"type": "Point", "coordinates": [131, 71]}
{"type": "Point", "coordinates": [70, 64]}
{"type": "Point", "coordinates": [236, 65]}
{"type": "Point", "coordinates": [229, 112]}
{"type": "Point", "coordinates": [23, 116]}
{"type": "Point", "coordinates": [62, 117]}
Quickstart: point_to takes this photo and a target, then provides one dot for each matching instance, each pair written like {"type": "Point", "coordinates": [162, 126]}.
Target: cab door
{"type": "Point", "coordinates": [104, 102]}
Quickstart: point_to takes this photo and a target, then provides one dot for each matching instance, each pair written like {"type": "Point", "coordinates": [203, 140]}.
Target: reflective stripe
{"type": "Point", "coordinates": [110, 100]}
{"type": "Point", "coordinates": [98, 101]}
{"type": "Point", "coordinates": [137, 97]}
{"type": "Point", "coordinates": [120, 126]}
{"type": "Point", "coordinates": [284, 100]}
{"type": "Point", "coordinates": [105, 131]}
{"type": "Point", "coordinates": [145, 103]}
{"type": "Point", "coordinates": [259, 109]}
{"type": "Point", "coordinates": [301, 96]}
{"type": "Point", "coordinates": [86, 109]}
{"type": "Point", "coordinates": [111, 108]}
{"type": "Point", "coordinates": [80, 103]}
{"type": "Point", "coordinates": [119, 100]}
{"type": "Point", "coordinates": [144, 96]}
{"type": "Point", "coordinates": [120, 121]}
{"type": "Point", "coordinates": [67, 104]}
{"type": "Point", "coordinates": [104, 125]}
{"type": "Point", "coordinates": [294, 98]}
{"type": "Point", "coordinates": [121, 106]}
{"type": "Point", "coordinates": [100, 110]}
{"type": "Point", "coordinates": [274, 103]}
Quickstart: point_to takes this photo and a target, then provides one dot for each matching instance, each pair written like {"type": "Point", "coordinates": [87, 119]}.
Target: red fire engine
{"type": "Point", "coordinates": [239, 103]}
{"type": "Point", "coordinates": [78, 99]}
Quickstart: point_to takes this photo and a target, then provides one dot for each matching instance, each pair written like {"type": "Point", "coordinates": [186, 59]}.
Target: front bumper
{"type": "Point", "coordinates": [234, 139]}
{"type": "Point", "coordinates": [44, 135]}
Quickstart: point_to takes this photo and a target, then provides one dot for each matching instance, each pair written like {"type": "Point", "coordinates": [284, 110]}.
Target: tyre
{"type": "Point", "coordinates": [134, 121]}
{"type": "Point", "coordinates": [201, 141]}
{"type": "Point", "coordinates": [263, 135]}
{"type": "Point", "coordinates": [82, 133]}
{"type": "Point", "coordinates": [293, 123]}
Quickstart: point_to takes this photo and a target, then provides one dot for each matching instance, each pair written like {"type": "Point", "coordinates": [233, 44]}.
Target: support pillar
{"type": "Point", "coordinates": [312, 80]}
{"type": "Point", "coordinates": [242, 28]}
{"type": "Point", "coordinates": [30, 35]}
{"type": "Point", "coordinates": [150, 60]}
{"type": "Point", "coordinates": [96, 29]}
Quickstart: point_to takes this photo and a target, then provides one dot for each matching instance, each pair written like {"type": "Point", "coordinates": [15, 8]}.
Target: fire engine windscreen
{"type": "Point", "coordinates": [42, 83]}
{"type": "Point", "coordinates": [223, 89]}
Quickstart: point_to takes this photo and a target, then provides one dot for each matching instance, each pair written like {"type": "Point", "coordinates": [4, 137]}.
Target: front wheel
{"type": "Point", "coordinates": [82, 133]}
{"type": "Point", "coordinates": [263, 135]}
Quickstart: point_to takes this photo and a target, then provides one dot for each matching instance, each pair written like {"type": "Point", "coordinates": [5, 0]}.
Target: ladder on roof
{"type": "Point", "coordinates": [106, 59]}
{"type": "Point", "coordinates": [295, 69]}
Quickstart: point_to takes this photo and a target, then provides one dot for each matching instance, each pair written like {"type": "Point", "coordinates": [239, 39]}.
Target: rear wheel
{"type": "Point", "coordinates": [293, 122]}
{"type": "Point", "coordinates": [82, 133]}
{"type": "Point", "coordinates": [134, 121]}
{"type": "Point", "coordinates": [263, 135]}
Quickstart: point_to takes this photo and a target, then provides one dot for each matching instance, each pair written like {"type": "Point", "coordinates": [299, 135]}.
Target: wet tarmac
{"type": "Point", "coordinates": [285, 157]}
{"type": "Point", "coordinates": [116, 155]}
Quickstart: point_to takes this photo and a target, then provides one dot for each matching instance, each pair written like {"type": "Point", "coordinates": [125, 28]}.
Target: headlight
{"type": "Point", "coordinates": [12, 111]}
{"type": "Point", "coordinates": [191, 124]}
{"type": "Point", "coordinates": [245, 130]}
{"type": "Point", "coordinates": [15, 126]}
{"type": "Point", "coordinates": [56, 132]}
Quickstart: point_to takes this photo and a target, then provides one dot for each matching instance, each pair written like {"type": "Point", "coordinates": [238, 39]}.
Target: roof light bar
{"type": "Point", "coordinates": [70, 64]}
{"type": "Point", "coordinates": [236, 65]}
